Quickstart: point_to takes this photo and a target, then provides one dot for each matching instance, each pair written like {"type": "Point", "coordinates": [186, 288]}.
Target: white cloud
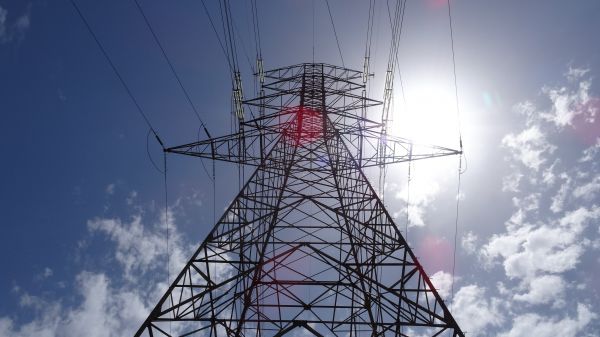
{"type": "Point", "coordinates": [504, 245]}
{"type": "Point", "coordinates": [536, 325]}
{"type": "Point", "coordinates": [548, 176]}
{"type": "Point", "coordinates": [574, 73]}
{"type": "Point", "coordinates": [115, 303]}
{"type": "Point", "coordinates": [543, 249]}
{"type": "Point", "coordinates": [22, 23]}
{"type": "Point", "coordinates": [577, 219]}
{"type": "Point", "coordinates": [589, 190]}
{"type": "Point", "coordinates": [46, 273]}
{"type": "Point", "coordinates": [568, 102]}
{"type": "Point", "coordinates": [591, 152]}
{"type": "Point", "coordinates": [108, 307]}
{"type": "Point", "coordinates": [528, 250]}
{"type": "Point", "coordinates": [543, 289]}
{"type": "Point", "coordinates": [475, 311]}
{"type": "Point", "coordinates": [529, 147]}
{"type": "Point", "coordinates": [103, 311]}
{"type": "Point", "coordinates": [529, 110]}
{"type": "Point", "coordinates": [140, 248]}
{"type": "Point", "coordinates": [510, 183]}
{"type": "Point", "coordinates": [547, 235]}
{"type": "Point", "coordinates": [110, 189]}
{"type": "Point", "coordinates": [131, 197]}
{"type": "Point", "coordinates": [442, 282]}
{"type": "Point", "coordinates": [422, 194]}
{"type": "Point", "coordinates": [3, 13]}
{"type": "Point", "coordinates": [528, 203]}
{"type": "Point", "coordinates": [558, 200]}
{"type": "Point", "coordinates": [16, 30]}
{"type": "Point", "coordinates": [469, 243]}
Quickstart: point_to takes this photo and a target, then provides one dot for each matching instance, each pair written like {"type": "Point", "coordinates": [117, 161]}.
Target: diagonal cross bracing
{"type": "Point", "coordinates": [306, 246]}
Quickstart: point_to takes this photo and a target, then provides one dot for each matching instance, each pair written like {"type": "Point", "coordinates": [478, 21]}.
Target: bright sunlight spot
{"type": "Point", "coordinates": [428, 117]}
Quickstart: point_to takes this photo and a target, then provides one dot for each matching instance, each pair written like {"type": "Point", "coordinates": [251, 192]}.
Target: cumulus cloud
{"type": "Point", "coordinates": [469, 242]}
{"type": "Point", "coordinates": [422, 194]}
{"type": "Point", "coordinates": [560, 197]}
{"type": "Point", "coordinates": [568, 102]}
{"type": "Point", "coordinates": [548, 176]}
{"type": "Point", "coordinates": [544, 289]}
{"type": "Point", "coordinates": [2, 22]}
{"type": "Point", "coordinates": [46, 273]}
{"type": "Point", "coordinates": [529, 146]}
{"type": "Point", "coordinates": [15, 30]}
{"type": "Point", "coordinates": [475, 311]}
{"type": "Point", "coordinates": [547, 236]}
{"type": "Point", "coordinates": [529, 251]}
{"type": "Point", "coordinates": [110, 189]}
{"type": "Point", "coordinates": [109, 304]}
{"type": "Point", "coordinates": [537, 325]}
{"type": "Point", "coordinates": [544, 249]}
{"type": "Point", "coordinates": [575, 73]}
{"type": "Point", "coordinates": [139, 247]}
{"type": "Point", "coordinates": [591, 152]}
{"type": "Point", "coordinates": [588, 190]}
{"type": "Point", "coordinates": [442, 282]}
{"type": "Point", "coordinates": [131, 197]}
{"type": "Point", "coordinates": [510, 183]}
{"type": "Point", "coordinates": [104, 310]}
{"type": "Point", "coordinates": [505, 245]}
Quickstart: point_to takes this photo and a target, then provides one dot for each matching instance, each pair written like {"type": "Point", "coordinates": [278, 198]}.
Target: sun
{"type": "Point", "coordinates": [428, 116]}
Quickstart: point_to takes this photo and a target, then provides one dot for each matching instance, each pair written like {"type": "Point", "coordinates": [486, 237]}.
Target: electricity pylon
{"type": "Point", "coordinates": [306, 247]}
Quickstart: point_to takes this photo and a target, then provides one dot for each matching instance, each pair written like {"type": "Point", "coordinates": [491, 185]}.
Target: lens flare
{"type": "Point", "coordinates": [306, 126]}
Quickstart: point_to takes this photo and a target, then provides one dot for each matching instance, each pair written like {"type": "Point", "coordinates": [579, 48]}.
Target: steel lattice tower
{"type": "Point", "coordinates": [306, 247]}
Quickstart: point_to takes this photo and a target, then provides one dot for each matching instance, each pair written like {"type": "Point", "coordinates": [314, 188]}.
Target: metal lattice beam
{"type": "Point", "coordinates": [307, 245]}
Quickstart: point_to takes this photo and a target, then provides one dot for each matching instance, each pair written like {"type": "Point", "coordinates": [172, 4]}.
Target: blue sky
{"type": "Point", "coordinates": [82, 244]}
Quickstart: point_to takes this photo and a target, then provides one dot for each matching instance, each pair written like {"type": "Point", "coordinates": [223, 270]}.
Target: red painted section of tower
{"type": "Point", "coordinates": [306, 126]}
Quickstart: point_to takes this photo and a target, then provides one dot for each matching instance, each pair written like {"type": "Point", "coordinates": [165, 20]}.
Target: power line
{"type": "Point", "coordinates": [260, 72]}
{"type": "Point", "coordinates": [460, 172]}
{"type": "Point", "coordinates": [370, 22]}
{"type": "Point", "coordinates": [114, 68]}
{"type": "Point", "coordinates": [456, 229]}
{"type": "Point", "coordinates": [230, 42]}
{"type": "Point", "coordinates": [212, 24]}
{"type": "Point", "coordinates": [400, 80]}
{"type": "Point", "coordinates": [454, 72]}
{"type": "Point", "coordinates": [313, 31]}
{"type": "Point", "coordinates": [368, 41]}
{"type": "Point", "coordinates": [148, 153]}
{"type": "Point", "coordinates": [396, 31]}
{"type": "Point", "coordinates": [335, 33]}
{"type": "Point", "coordinates": [167, 223]}
{"type": "Point", "coordinates": [227, 50]}
{"type": "Point", "coordinates": [164, 171]}
{"type": "Point", "coordinates": [238, 35]}
{"type": "Point", "coordinates": [164, 53]}
{"type": "Point", "coordinates": [226, 18]}
{"type": "Point", "coordinates": [408, 181]}
{"type": "Point", "coordinates": [255, 22]}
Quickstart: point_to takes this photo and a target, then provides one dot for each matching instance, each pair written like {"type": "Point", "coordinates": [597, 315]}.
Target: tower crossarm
{"type": "Point", "coordinates": [397, 149]}
{"type": "Point", "coordinates": [246, 147]}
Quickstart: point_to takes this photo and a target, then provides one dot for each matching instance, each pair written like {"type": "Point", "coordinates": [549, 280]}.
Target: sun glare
{"type": "Point", "coordinates": [428, 117]}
